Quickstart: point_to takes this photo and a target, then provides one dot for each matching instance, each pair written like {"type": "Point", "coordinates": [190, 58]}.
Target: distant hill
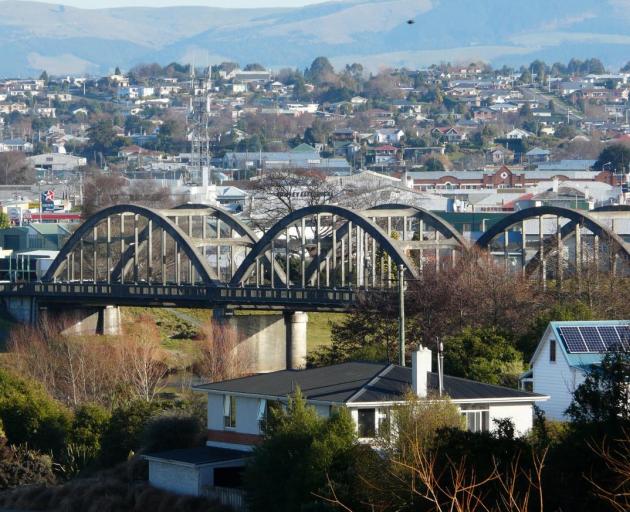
{"type": "Point", "coordinates": [66, 40]}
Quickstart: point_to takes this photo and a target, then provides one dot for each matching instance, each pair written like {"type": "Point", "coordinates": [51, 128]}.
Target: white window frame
{"type": "Point", "coordinates": [481, 422]}
{"type": "Point", "coordinates": [229, 412]}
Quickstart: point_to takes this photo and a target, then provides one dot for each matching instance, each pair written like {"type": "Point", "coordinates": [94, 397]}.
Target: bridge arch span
{"type": "Point", "coordinates": [153, 217]}
{"type": "Point", "coordinates": [396, 210]}
{"type": "Point", "coordinates": [435, 221]}
{"type": "Point", "coordinates": [579, 217]}
{"type": "Point", "coordinates": [358, 220]}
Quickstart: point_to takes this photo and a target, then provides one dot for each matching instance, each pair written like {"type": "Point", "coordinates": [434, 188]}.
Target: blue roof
{"type": "Point", "coordinates": [583, 360]}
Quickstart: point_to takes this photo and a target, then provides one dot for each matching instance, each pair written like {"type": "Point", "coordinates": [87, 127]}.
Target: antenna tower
{"type": "Point", "coordinates": [198, 122]}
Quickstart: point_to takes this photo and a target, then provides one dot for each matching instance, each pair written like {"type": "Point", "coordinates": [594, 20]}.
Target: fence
{"type": "Point", "coordinates": [234, 498]}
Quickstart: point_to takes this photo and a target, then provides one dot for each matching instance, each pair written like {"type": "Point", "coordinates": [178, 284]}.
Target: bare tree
{"type": "Point", "coordinates": [142, 359]}
{"type": "Point", "coordinates": [15, 169]}
{"type": "Point", "coordinates": [280, 192]}
{"type": "Point", "coordinates": [617, 458]}
{"type": "Point", "coordinates": [220, 356]}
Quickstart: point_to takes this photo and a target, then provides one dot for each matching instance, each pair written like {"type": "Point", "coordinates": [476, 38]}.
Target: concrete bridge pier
{"type": "Point", "coordinates": [67, 319]}
{"type": "Point", "coordinates": [104, 321]}
{"type": "Point", "coordinates": [24, 310]}
{"type": "Point", "coordinates": [295, 323]}
{"type": "Point", "coordinates": [268, 342]}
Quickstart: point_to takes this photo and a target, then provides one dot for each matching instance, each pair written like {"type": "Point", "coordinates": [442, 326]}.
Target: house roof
{"type": "Point", "coordinates": [538, 152]}
{"type": "Point", "coordinates": [48, 228]}
{"type": "Point", "coordinates": [358, 382]}
{"type": "Point", "coordinates": [303, 148]}
{"type": "Point", "coordinates": [199, 456]}
{"type": "Point", "coordinates": [579, 360]}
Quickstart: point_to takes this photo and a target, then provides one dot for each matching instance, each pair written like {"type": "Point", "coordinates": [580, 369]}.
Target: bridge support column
{"type": "Point", "coordinates": [102, 321]}
{"type": "Point", "coordinates": [109, 321]}
{"type": "Point", "coordinates": [25, 310]}
{"type": "Point", "coordinates": [296, 323]}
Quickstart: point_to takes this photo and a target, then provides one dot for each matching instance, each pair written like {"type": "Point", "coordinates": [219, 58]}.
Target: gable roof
{"type": "Point", "coordinates": [577, 360]}
{"type": "Point", "coordinates": [359, 382]}
{"type": "Point", "coordinates": [303, 148]}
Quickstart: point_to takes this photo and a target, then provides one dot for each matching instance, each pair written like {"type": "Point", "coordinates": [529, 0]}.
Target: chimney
{"type": "Point", "coordinates": [421, 366]}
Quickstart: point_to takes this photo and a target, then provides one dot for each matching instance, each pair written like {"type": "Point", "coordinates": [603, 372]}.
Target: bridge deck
{"type": "Point", "coordinates": [173, 295]}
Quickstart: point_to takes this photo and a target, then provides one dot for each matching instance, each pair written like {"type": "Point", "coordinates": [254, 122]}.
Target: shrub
{"type": "Point", "coordinates": [30, 416]}
{"type": "Point", "coordinates": [299, 452]}
{"type": "Point", "coordinates": [123, 433]}
{"type": "Point", "coordinates": [20, 466]}
{"type": "Point", "coordinates": [172, 431]}
{"type": "Point", "coordinates": [88, 426]}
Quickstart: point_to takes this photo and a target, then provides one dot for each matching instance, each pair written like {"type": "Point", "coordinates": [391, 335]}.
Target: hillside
{"type": "Point", "coordinates": [36, 36]}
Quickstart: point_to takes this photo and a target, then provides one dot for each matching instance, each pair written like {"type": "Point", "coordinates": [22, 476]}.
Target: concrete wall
{"type": "Point", "coordinates": [262, 340]}
{"type": "Point", "coordinates": [70, 319]}
{"type": "Point", "coordinates": [87, 321]}
{"type": "Point", "coordinates": [556, 379]}
{"type": "Point", "coordinates": [175, 478]}
{"type": "Point", "coordinates": [522, 415]}
{"type": "Point", "coordinates": [246, 414]}
{"type": "Point", "coordinates": [22, 309]}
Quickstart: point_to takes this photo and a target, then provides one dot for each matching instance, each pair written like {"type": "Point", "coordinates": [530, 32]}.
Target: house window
{"type": "Point", "coordinates": [262, 413]}
{"type": "Point", "coordinates": [552, 351]}
{"type": "Point", "coordinates": [229, 411]}
{"type": "Point", "coordinates": [367, 422]}
{"type": "Point", "coordinates": [477, 420]}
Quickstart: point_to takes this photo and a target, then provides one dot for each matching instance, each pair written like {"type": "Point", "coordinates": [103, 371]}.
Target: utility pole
{"type": "Point", "coordinates": [401, 315]}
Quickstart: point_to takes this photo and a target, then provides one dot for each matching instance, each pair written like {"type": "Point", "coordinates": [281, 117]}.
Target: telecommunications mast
{"type": "Point", "coordinates": [198, 121]}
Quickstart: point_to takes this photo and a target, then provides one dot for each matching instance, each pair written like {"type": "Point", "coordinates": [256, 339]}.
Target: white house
{"type": "Point", "coordinates": [237, 408]}
{"type": "Point", "coordinates": [566, 353]}
{"type": "Point", "coordinates": [388, 136]}
{"type": "Point", "coordinates": [517, 133]}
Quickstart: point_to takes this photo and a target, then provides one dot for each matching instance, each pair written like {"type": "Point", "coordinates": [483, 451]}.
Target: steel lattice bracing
{"type": "Point", "coordinates": [355, 252]}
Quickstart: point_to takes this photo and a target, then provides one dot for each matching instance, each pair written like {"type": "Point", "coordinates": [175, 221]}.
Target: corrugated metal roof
{"type": "Point", "coordinates": [358, 382]}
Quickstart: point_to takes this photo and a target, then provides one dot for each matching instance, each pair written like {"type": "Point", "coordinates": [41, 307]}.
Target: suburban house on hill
{"type": "Point", "coordinates": [238, 407]}
{"type": "Point", "coordinates": [567, 352]}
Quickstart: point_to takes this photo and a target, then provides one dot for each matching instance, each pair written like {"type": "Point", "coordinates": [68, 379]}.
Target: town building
{"type": "Point", "coordinates": [565, 355]}
{"type": "Point", "coordinates": [237, 410]}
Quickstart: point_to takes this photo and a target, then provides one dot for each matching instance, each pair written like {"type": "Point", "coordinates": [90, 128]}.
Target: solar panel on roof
{"type": "Point", "coordinates": [624, 336]}
{"type": "Point", "coordinates": [591, 337]}
{"type": "Point", "coordinates": [610, 337]}
{"type": "Point", "coordinates": [573, 339]}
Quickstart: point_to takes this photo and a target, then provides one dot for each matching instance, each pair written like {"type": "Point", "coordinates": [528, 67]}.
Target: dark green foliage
{"type": "Point", "coordinates": [103, 138]}
{"type": "Point", "coordinates": [604, 396]}
{"type": "Point", "coordinates": [434, 165]}
{"type": "Point", "coordinates": [123, 435]}
{"type": "Point", "coordinates": [572, 463]}
{"type": "Point", "coordinates": [30, 416]}
{"type": "Point", "coordinates": [363, 336]}
{"type": "Point", "coordinates": [614, 158]}
{"type": "Point", "coordinates": [320, 72]}
{"type": "Point", "coordinates": [567, 310]}
{"type": "Point", "coordinates": [172, 431]}
{"type": "Point", "coordinates": [88, 425]}
{"type": "Point", "coordinates": [300, 450]}
{"type": "Point", "coordinates": [484, 355]}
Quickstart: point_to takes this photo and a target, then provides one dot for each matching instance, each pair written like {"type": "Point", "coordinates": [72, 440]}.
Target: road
{"type": "Point", "coordinates": [543, 99]}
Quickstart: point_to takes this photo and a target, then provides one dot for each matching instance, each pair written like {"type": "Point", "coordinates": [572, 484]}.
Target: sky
{"type": "Point", "coordinates": [97, 4]}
